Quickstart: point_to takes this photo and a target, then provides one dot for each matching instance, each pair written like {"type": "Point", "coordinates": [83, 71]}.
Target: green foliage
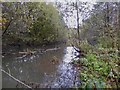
{"type": "Point", "coordinates": [36, 22]}
{"type": "Point", "coordinates": [100, 66]}
{"type": "Point", "coordinates": [95, 73]}
{"type": "Point", "coordinates": [44, 29]}
{"type": "Point", "coordinates": [99, 69]}
{"type": "Point", "coordinates": [105, 42]}
{"type": "Point", "coordinates": [85, 46]}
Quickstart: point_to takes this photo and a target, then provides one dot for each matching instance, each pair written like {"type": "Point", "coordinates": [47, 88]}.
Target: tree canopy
{"type": "Point", "coordinates": [32, 22]}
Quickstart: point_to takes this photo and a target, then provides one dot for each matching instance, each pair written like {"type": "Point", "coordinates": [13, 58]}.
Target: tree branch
{"type": "Point", "coordinates": [7, 27]}
{"type": "Point", "coordinates": [16, 79]}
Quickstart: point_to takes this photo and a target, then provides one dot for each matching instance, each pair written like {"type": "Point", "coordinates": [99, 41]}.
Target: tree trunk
{"type": "Point", "coordinates": [77, 19]}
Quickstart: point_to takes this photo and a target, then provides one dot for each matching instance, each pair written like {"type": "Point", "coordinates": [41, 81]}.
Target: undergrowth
{"type": "Point", "coordinates": [99, 68]}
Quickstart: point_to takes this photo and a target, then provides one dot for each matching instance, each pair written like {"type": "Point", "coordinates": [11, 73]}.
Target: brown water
{"type": "Point", "coordinates": [39, 69]}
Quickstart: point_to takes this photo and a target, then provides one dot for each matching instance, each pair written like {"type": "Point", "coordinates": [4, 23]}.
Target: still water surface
{"type": "Point", "coordinates": [39, 69]}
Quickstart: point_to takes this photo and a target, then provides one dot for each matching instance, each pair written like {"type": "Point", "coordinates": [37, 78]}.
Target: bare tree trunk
{"type": "Point", "coordinates": [119, 25]}
{"type": "Point", "coordinates": [107, 14]}
{"type": "Point", "coordinates": [77, 19]}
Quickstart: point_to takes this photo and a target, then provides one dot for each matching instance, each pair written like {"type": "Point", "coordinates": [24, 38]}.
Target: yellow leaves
{"type": "Point", "coordinates": [2, 22]}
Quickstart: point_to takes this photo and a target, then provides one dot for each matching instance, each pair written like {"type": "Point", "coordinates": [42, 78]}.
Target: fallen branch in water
{"type": "Point", "coordinates": [16, 79]}
{"type": "Point", "coordinates": [52, 49]}
{"type": "Point", "coordinates": [81, 52]}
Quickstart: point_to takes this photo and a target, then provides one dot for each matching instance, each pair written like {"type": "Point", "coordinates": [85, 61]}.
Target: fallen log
{"type": "Point", "coordinates": [32, 52]}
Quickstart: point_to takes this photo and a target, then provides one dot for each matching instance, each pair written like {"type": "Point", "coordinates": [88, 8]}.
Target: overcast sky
{"type": "Point", "coordinates": [71, 0]}
{"type": "Point", "coordinates": [72, 21]}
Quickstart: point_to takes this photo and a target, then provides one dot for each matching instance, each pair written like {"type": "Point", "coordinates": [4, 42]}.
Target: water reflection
{"type": "Point", "coordinates": [66, 72]}
{"type": "Point", "coordinates": [39, 69]}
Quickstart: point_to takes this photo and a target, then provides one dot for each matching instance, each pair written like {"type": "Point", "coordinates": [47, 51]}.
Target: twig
{"type": "Point", "coordinates": [16, 79]}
